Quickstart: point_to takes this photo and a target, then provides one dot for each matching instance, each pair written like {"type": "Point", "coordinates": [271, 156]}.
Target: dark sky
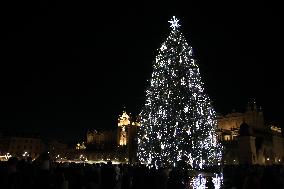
{"type": "Point", "coordinates": [67, 67]}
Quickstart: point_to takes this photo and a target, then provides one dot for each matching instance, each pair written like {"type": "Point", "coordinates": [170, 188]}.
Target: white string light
{"type": "Point", "coordinates": [178, 122]}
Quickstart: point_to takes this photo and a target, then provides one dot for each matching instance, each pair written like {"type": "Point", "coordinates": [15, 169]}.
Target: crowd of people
{"type": "Point", "coordinates": [254, 177]}
{"type": "Point", "coordinates": [46, 174]}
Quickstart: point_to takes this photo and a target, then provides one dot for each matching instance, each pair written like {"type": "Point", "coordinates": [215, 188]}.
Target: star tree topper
{"type": "Point", "coordinates": [174, 23]}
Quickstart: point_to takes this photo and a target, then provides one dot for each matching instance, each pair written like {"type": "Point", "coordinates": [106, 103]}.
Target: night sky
{"type": "Point", "coordinates": [67, 67]}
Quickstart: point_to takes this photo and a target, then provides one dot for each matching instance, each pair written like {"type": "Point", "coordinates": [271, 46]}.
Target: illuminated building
{"type": "Point", "coordinates": [127, 135]}
{"type": "Point", "coordinates": [80, 146]}
{"type": "Point", "coordinates": [127, 129]}
{"type": "Point", "coordinates": [123, 126]}
{"type": "Point", "coordinates": [57, 149]}
{"type": "Point", "coordinates": [248, 140]}
{"type": "Point", "coordinates": [101, 140]}
{"type": "Point", "coordinates": [119, 143]}
{"type": "Point", "coordinates": [22, 145]}
{"type": "Point", "coordinates": [245, 136]}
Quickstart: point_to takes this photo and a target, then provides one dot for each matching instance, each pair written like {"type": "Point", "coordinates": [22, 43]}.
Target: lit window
{"type": "Point", "coordinates": [227, 137]}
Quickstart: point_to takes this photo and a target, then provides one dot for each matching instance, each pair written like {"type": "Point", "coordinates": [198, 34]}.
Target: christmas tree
{"type": "Point", "coordinates": [178, 122]}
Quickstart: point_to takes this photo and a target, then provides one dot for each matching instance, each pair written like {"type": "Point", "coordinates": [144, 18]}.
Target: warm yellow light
{"type": "Point", "coordinates": [124, 119]}
{"type": "Point", "coordinates": [123, 139]}
{"type": "Point", "coordinates": [276, 129]}
{"type": "Point", "coordinates": [80, 147]}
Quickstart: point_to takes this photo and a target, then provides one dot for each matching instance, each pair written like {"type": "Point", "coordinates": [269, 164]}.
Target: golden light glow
{"type": "Point", "coordinates": [276, 129]}
{"type": "Point", "coordinates": [123, 139]}
{"type": "Point", "coordinates": [135, 124]}
{"type": "Point", "coordinates": [125, 124]}
{"type": "Point", "coordinates": [227, 137]}
{"type": "Point", "coordinates": [123, 120]}
{"type": "Point", "coordinates": [80, 146]}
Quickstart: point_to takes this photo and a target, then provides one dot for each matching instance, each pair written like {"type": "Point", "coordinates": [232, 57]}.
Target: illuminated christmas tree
{"type": "Point", "coordinates": [178, 122]}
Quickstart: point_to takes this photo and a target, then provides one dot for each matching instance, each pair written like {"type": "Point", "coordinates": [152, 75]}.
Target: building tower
{"type": "Point", "coordinates": [123, 127]}
{"type": "Point", "coordinates": [127, 135]}
{"type": "Point", "coordinates": [254, 117]}
{"type": "Point", "coordinates": [91, 136]}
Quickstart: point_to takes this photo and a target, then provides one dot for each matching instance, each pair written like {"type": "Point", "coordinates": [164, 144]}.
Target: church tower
{"type": "Point", "coordinates": [127, 129]}
{"type": "Point", "coordinates": [123, 129]}
{"type": "Point", "coordinates": [127, 135]}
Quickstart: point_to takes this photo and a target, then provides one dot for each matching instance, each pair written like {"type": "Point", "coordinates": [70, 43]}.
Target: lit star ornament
{"type": "Point", "coordinates": [174, 23]}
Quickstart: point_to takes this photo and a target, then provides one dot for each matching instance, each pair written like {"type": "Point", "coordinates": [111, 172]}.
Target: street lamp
{"type": "Point", "coordinates": [26, 154]}
{"type": "Point", "coordinates": [8, 155]}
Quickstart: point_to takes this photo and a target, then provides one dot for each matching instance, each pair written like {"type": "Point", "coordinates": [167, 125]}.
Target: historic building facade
{"type": "Point", "coordinates": [248, 140]}
{"type": "Point", "coordinates": [22, 145]}
{"type": "Point", "coordinates": [119, 144]}
{"type": "Point", "coordinates": [245, 137]}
